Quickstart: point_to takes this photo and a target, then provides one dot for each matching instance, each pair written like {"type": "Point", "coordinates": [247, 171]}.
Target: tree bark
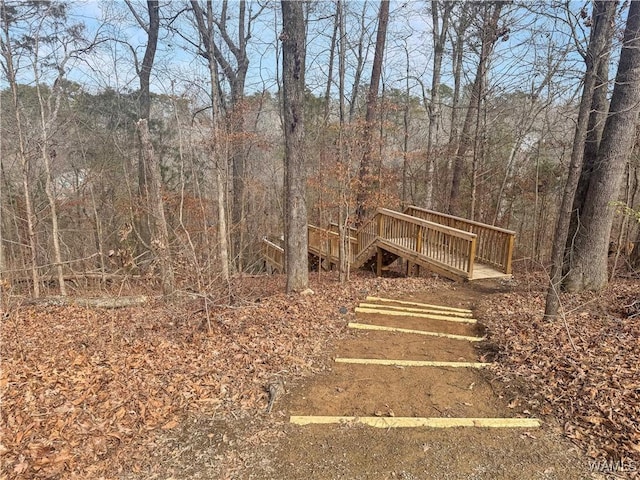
{"type": "Point", "coordinates": [604, 12]}
{"type": "Point", "coordinates": [457, 46]}
{"type": "Point", "coordinates": [365, 172]}
{"type": "Point", "coordinates": [205, 23]}
{"type": "Point", "coordinates": [293, 70]}
{"type": "Point", "coordinates": [489, 37]}
{"type": "Point", "coordinates": [150, 165]}
{"type": "Point", "coordinates": [597, 45]}
{"type": "Point", "coordinates": [160, 236]}
{"type": "Point", "coordinates": [360, 60]}
{"type": "Point", "coordinates": [440, 33]}
{"type": "Point", "coordinates": [236, 76]}
{"type": "Point", "coordinates": [589, 270]}
{"type": "Point", "coordinates": [344, 251]}
{"type": "Point", "coordinates": [7, 53]}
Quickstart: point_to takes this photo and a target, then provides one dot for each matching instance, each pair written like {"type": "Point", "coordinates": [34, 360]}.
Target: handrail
{"type": "Point", "coordinates": [326, 243]}
{"type": "Point", "coordinates": [495, 244]}
{"type": "Point", "coordinates": [449, 248]}
{"type": "Point", "coordinates": [334, 227]}
{"type": "Point", "coordinates": [436, 226]}
{"type": "Point", "coordinates": [453, 217]}
{"type": "Point", "coordinates": [273, 254]}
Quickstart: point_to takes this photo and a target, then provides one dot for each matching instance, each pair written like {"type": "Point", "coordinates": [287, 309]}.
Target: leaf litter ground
{"type": "Point", "coordinates": [178, 391]}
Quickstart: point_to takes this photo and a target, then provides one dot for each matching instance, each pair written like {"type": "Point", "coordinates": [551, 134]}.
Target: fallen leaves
{"type": "Point", "coordinates": [85, 391]}
{"type": "Point", "coordinates": [592, 389]}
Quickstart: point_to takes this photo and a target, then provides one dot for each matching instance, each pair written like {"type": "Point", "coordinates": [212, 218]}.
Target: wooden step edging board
{"type": "Point", "coordinates": [429, 422]}
{"type": "Point", "coordinates": [416, 310]}
{"type": "Point", "coordinates": [396, 313]}
{"type": "Point", "coordinates": [417, 304]}
{"type": "Point", "coordinates": [410, 363]}
{"type": "Point", "coordinates": [367, 326]}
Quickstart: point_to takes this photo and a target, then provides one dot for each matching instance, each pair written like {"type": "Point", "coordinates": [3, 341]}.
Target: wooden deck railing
{"type": "Point", "coordinates": [334, 227]}
{"type": "Point", "coordinates": [273, 255]}
{"type": "Point", "coordinates": [326, 243]}
{"type": "Point", "coordinates": [447, 244]}
{"type": "Point", "coordinates": [449, 248]}
{"type": "Point", "coordinates": [494, 245]}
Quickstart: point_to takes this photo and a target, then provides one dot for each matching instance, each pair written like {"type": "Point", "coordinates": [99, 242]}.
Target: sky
{"type": "Point", "coordinates": [532, 44]}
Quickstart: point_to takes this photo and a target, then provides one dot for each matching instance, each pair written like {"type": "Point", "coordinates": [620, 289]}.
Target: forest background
{"type": "Point", "coordinates": [144, 140]}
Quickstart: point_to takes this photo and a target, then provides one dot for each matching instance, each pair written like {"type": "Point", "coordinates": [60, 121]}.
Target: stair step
{"type": "Point", "coordinates": [416, 310]}
{"type": "Point", "coordinates": [429, 422]}
{"type": "Point", "coordinates": [410, 363]}
{"type": "Point", "coordinates": [396, 313]}
{"type": "Point", "coordinates": [418, 304]}
{"type": "Point", "coordinates": [367, 326]}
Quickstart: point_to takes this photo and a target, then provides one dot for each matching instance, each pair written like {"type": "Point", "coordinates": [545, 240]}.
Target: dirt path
{"type": "Point", "coordinates": [269, 447]}
{"type": "Point", "coordinates": [354, 451]}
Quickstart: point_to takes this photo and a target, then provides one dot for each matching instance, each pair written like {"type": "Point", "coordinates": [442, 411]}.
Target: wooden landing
{"type": "Point", "coordinates": [439, 260]}
{"type": "Point", "coordinates": [482, 271]}
{"type": "Point", "coordinates": [449, 246]}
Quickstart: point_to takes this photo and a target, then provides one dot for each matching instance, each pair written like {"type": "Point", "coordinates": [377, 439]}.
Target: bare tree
{"type": "Point", "coordinates": [361, 51]}
{"type": "Point", "coordinates": [364, 175]}
{"type": "Point", "coordinates": [597, 45]}
{"type": "Point", "coordinates": [205, 23]}
{"type": "Point", "coordinates": [6, 48]}
{"type": "Point", "coordinates": [151, 165]}
{"type": "Point", "coordinates": [293, 70]}
{"type": "Point", "coordinates": [489, 35]}
{"type": "Point", "coordinates": [457, 45]}
{"type": "Point", "coordinates": [440, 14]}
{"type": "Point", "coordinates": [589, 266]}
{"type": "Point", "coordinates": [343, 209]}
{"type": "Point", "coordinates": [235, 71]}
{"type": "Point", "coordinates": [604, 12]}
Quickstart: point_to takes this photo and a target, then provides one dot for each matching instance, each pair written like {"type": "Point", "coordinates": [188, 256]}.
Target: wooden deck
{"type": "Point", "coordinates": [454, 247]}
{"type": "Point", "coordinates": [444, 257]}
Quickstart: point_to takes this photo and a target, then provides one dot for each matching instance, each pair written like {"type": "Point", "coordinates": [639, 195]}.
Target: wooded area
{"type": "Point", "coordinates": [163, 141]}
{"type": "Point", "coordinates": [171, 171]}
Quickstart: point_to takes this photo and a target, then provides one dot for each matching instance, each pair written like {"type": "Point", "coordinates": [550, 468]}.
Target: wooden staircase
{"type": "Point", "coordinates": [451, 246]}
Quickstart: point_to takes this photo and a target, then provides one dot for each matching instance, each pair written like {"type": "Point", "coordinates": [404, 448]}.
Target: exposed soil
{"type": "Point", "coordinates": [178, 391]}
{"type": "Point", "coordinates": [271, 448]}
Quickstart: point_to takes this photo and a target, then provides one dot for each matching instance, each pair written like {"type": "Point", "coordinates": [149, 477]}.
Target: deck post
{"type": "Point", "coordinates": [509, 253]}
{"type": "Point", "coordinates": [472, 257]}
{"type": "Point", "coordinates": [437, 245]}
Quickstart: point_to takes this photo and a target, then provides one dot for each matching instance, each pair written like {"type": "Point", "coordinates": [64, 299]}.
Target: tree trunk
{"type": "Point", "coordinates": [236, 76]}
{"type": "Point", "coordinates": [45, 125]}
{"type": "Point", "coordinates": [589, 270]}
{"type": "Point", "coordinates": [7, 53]}
{"type": "Point", "coordinates": [604, 12]}
{"type": "Point", "coordinates": [293, 69]}
{"type": "Point", "coordinates": [159, 240]}
{"type": "Point", "coordinates": [365, 172]}
{"type": "Point", "coordinates": [634, 258]}
{"type": "Point", "coordinates": [160, 235]}
{"type": "Point", "coordinates": [361, 57]}
{"type": "Point", "coordinates": [405, 134]}
{"type": "Point", "coordinates": [597, 45]}
{"type": "Point", "coordinates": [489, 37]}
{"type": "Point", "coordinates": [344, 251]}
{"type": "Point", "coordinates": [205, 23]}
{"type": "Point", "coordinates": [440, 33]}
{"type": "Point", "coordinates": [457, 59]}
